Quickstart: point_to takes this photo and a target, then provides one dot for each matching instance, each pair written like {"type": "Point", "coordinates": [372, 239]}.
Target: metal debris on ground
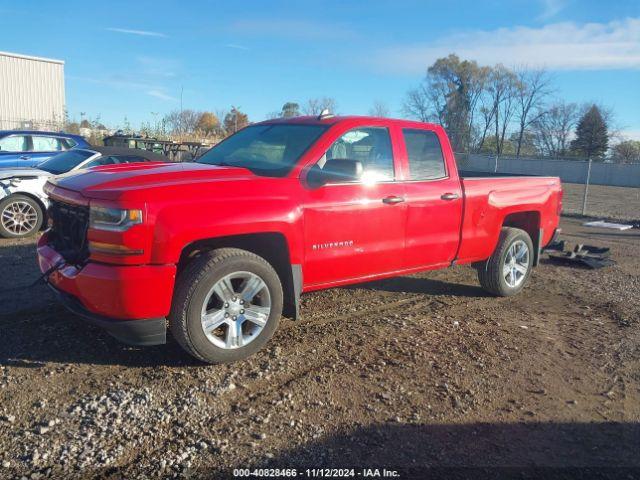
{"type": "Point", "coordinates": [603, 224]}
{"type": "Point", "coordinates": [588, 256]}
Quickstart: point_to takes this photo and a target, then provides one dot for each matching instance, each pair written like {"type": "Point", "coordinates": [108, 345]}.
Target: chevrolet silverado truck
{"type": "Point", "coordinates": [217, 250]}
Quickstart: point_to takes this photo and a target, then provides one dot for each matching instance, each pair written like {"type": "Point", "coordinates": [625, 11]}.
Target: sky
{"type": "Point", "coordinates": [142, 59]}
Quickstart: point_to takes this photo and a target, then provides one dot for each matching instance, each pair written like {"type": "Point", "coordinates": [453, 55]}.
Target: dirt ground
{"type": "Point", "coordinates": [415, 372]}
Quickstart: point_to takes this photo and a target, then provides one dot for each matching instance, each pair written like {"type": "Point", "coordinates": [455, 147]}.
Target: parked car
{"type": "Point", "coordinates": [23, 148]}
{"type": "Point", "coordinates": [22, 197]}
{"type": "Point", "coordinates": [221, 247]}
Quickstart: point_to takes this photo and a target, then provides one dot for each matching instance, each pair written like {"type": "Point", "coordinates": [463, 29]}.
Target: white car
{"type": "Point", "coordinates": [23, 202]}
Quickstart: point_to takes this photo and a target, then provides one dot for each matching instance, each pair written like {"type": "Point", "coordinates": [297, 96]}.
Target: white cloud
{"type": "Point", "coordinates": [557, 46]}
{"type": "Point", "coordinates": [237, 47]}
{"type": "Point", "coordinates": [123, 84]}
{"type": "Point", "coordinates": [161, 95]}
{"type": "Point", "coordinates": [142, 33]}
{"type": "Point", "coordinates": [551, 8]}
{"type": "Point", "coordinates": [112, 81]}
{"type": "Point", "coordinates": [630, 134]}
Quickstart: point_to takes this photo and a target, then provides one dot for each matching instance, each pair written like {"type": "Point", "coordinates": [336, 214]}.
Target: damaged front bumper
{"type": "Point", "coordinates": [152, 331]}
{"type": "Point", "coordinates": [130, 302]}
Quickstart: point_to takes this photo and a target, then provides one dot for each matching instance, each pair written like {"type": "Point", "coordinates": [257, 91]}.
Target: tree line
{"type": "Point", "coordinates": [484, 109]}
{"type": "Point", "coordinates": [506, 111]}
{"type": "Point", "coordinates": [188, 124]}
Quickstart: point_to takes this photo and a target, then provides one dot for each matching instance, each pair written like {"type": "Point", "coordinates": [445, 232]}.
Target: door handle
{"type": "Point", "coordinates": [392, 200]}
{"type": "Point", "coordinates": [25, 157]}
{"type": "Point", "coordinates": [449, 196]}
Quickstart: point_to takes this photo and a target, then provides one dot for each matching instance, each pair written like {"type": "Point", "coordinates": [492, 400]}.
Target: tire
{"type": "Point", "coordinates": [491, 273]}
{"type": "Point", "coordinates": [24, 209]}
{"type": "Point", "coordinates": [206, 279]}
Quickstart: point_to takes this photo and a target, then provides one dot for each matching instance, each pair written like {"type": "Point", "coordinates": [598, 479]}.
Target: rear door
{"type": "Point", "coordinates": [356, 229]}
{"type": "Point", "coordinates": [12, 147]}
{"type": "Point", "coordinates": [434, 201]}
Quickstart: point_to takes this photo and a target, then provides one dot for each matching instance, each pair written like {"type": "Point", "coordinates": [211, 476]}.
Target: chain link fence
{"type": "Point", "coordinates": [591, 188]}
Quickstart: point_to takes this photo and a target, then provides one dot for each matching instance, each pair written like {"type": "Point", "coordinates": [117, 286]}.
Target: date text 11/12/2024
{"type": "Point", "coordinates": [316, 472]}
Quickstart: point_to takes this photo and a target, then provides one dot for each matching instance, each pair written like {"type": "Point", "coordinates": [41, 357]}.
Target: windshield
{"type": "Point", "coordinates": [269, 150]}
{"type": "Point", "coordinates": [63, 162]}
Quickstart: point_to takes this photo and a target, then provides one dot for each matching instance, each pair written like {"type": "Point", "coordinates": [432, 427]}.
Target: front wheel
{"type": "Point", "coordinates": [227, 305]}
{"type": "Point", "coordinates": [506, 272]}
{"type": "Point", "coordinates": [20, 216]}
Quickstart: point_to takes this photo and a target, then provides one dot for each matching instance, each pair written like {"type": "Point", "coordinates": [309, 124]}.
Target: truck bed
{"type": "Point", "coordinates": [493, 200]}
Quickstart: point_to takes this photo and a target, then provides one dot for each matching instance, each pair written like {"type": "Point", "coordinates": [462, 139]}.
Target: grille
{"type": "Point", "coordinates": [68, 234]}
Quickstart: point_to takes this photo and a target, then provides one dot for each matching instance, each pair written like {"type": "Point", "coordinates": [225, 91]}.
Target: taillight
{"type": "Point", "coordinates": [559, 212]}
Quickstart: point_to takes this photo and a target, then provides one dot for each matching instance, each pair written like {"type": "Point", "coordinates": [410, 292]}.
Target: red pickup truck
{"type": "Point", "coordinates": [218, 249]}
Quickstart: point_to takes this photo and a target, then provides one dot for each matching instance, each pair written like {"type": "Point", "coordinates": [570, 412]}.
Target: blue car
{"type": "Point", "coordinates": [22, 148]}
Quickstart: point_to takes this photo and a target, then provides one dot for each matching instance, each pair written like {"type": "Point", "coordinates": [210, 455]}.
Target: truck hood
{"type": "Point", "coordinates": [113, 181]}
{"type": "Point", "coordinates": [24, 172]}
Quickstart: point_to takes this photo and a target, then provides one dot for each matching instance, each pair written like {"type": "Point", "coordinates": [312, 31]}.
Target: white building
{"type": "Point", "coordinates": [31, 92]}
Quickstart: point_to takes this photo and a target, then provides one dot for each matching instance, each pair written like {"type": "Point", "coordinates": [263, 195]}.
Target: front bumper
{"type": "Point", "coordinates": [152, 331]}
{"type": "Point", "coordinates": [119, 298]}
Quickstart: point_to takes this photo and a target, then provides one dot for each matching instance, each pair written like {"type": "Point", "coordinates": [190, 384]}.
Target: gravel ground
{"type": "Point", "coordinates": [418, 371]}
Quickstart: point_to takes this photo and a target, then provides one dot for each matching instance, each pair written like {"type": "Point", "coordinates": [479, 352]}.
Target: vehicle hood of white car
{"type": "Point", "coordinates": [7, 173]}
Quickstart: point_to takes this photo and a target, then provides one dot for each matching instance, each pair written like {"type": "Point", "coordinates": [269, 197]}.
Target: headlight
{"type": "Point", "coordinates": [113, 219]}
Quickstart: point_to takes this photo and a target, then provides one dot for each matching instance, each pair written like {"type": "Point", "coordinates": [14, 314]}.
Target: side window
{"type": "Point", "coordinates": [370, 146]}
{"type": "Point", "coordinates": [101, 161]}
{"type": "Point", "coordinates": [13, 143]}
{"type": "Point", "coordinates": [425, 155]}
{"type": "Point", "coordinates": [46, 144]}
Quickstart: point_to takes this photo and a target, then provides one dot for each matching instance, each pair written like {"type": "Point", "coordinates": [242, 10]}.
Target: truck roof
{"type": "Point", "coordinates": [331, 120]}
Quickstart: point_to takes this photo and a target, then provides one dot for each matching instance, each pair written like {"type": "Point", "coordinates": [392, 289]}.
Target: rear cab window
{"type": "Point", "coordinates": [424, 153]}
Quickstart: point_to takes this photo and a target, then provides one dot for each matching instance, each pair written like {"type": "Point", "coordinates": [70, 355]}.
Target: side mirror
{"type": "Point", "coordinates": [337, 170]}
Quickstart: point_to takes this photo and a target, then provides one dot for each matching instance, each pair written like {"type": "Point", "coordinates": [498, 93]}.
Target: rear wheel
{"type": "Point", "coordinates": [20, 216]}
{"type": "Point", "coordinates": [506, 272]}
{"type": "Point", "coordinates": [226, 306]}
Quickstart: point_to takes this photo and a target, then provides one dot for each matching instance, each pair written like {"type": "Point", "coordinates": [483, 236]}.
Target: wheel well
{"type": "Point", "coordinates": [530, 223]}
{"type": "Point", "coordinates": [272, 247]}
{"type": "Point", "coordinates": [32, 197]}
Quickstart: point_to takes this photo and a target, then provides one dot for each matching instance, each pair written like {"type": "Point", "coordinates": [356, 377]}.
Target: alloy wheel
{"type": "Point", "coordinates": [236, 310]}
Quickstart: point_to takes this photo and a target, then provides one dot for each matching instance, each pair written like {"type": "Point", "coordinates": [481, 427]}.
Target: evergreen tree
{"type": "Point", "coordinates": [592, 137]}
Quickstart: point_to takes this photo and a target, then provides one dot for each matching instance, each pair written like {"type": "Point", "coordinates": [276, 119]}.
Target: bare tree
{"type": "Point", "coordinates": [182, 122]}
{"type": "Point", "coordinates": [503, 84]}
{"type": "Point", "coordinates": [315, 106]}
{"type": "Point", "coordinates": [486, 115]}
{"type": "Point", "coordinates": [531, 93]}
{"type": "Point", "coordinates": [379, 109]}
{"type": "Point", "coordinates": [627, 151]}
{"type": "Point", "coordinates": [554, 127]}
{"type": "Point", "coordinates": [418, 104]}
{"type": "Point", "coordinates": [449, 95]}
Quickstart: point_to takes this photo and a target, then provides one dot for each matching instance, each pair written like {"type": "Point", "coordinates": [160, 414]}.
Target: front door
{"type": "Point", "coordinates": [355, 229]}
